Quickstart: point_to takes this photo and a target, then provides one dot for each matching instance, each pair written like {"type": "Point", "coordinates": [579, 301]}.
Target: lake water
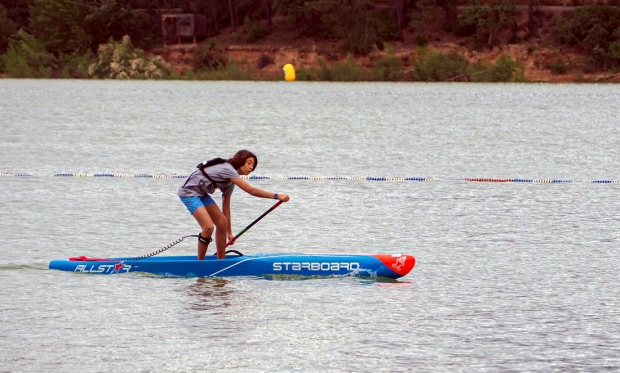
{"type": "Point", "coordinates": [510, 277]}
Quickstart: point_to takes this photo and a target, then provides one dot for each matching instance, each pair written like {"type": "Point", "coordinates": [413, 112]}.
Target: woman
{"type": "Point", "coordinates": [222, 174]}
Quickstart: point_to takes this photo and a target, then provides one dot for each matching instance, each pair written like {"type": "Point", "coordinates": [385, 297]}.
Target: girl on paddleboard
{"type": "Point", "coordinates": [223, 174]}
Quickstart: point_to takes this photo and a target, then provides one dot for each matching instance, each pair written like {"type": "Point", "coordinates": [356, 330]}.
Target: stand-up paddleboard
{"type": "Point", "coordinates": [237, 264]}
{"type": "Point", "coordinates": [363, 265]}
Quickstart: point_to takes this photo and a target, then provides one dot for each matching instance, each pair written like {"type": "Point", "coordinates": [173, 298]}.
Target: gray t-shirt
{"type": "Point", "coordinates": [198, 185]}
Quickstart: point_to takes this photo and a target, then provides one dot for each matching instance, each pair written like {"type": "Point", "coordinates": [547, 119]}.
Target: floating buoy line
{"type": "Point", "coordinates": [318, 178]}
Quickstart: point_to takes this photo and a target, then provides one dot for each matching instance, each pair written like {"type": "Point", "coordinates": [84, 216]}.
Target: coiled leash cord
{"type": "Point", "coordinates": [200, 238]}
{"type": "Point", "coordinates": [162, 249]}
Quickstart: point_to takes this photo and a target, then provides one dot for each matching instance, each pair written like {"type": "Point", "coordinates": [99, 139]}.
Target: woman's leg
{"type": "Point", "coordinates": [206, 225]}
{"type": "Point", "coordinates": [221, 224]}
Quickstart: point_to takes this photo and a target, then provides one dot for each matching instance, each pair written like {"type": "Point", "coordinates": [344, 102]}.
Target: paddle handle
{"type": "Point", "coordinates": [252, 223]}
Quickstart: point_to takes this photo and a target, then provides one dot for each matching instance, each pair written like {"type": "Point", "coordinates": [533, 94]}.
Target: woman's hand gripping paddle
{"type": "Point", "coordinates": [254, 222]}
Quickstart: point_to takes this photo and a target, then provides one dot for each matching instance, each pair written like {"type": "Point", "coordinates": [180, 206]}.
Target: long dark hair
{"type": "Point", "coordinates": [241, 157]}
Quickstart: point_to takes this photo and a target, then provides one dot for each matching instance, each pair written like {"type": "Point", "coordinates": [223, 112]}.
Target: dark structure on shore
{"type": "Point", "coordinates": [177, 27]}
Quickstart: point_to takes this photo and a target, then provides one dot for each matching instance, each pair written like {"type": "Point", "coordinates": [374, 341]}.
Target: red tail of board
{"type": "Point", "coordinates": [401, 264]}
{"type": "Point", "coordinates": [87, 259]}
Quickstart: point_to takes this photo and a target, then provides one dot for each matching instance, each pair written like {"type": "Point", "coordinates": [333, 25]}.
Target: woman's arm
{"type": "Point", "coordinates": [226, 210]}
{"type": "Point", "coordinates": [256, 192]}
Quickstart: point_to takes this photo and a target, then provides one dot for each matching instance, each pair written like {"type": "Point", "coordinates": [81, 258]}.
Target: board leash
{"type": "Point", "coordinates": [159, 251]}
{"type": "Point", "coordinates": [170, 246]}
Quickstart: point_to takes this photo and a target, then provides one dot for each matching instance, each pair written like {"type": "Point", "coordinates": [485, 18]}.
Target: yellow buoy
{"type": "Point", "coordinates": [289, 72]}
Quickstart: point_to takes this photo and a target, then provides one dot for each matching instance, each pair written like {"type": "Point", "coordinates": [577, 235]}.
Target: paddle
{"type": "Point", "coordinates": [254, 222]}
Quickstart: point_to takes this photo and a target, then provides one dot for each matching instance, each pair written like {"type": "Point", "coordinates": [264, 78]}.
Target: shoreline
{"type": "Point", "coordinates": [307, 58]}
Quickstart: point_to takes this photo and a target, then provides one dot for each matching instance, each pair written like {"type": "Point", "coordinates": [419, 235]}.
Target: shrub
{"type": "Point", "coordinates": [388, 68]}
{"type": "Point", "coordinates": [347, 71]}
{"type": "Point", "coordinates": [324, 73]}
{"type": "Point", "coordinates": [306, 75]}
{"type": "Point", "coordinates": [75, 65]}
{"type": "Point", "coordinates": [420, 41]}
{"type": "Point", "coordinates": [558, 66]}
{"type": "Point", "coordinates": [264, 60]}
{"type": "Point", "coordinates": [505, 69]}
{"type": "Point", "coordinates": [209, 59]}
{"type": "Point", "coordinates": [119, 60]}
{"type": "Point", "coordinates": [230, 71]}
{"type": "Point", "coordinates": [254, 31]}
{"type": "Point", "coordinates": [437, 67]}
{"type": "Point", "coordinates": [338, 72]}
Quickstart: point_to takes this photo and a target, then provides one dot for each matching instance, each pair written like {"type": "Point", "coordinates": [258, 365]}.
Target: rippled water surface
{"type": "Point", "coordinates": [510, 276]}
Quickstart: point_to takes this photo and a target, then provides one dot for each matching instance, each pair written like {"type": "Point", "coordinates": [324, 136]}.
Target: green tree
{"type": "Point", "coordinates": [486, 20]}
{"type": "Point", "coordinates": [58, 25]}
{"type": "Point", "coordinates": [7, 28]}
{"type": "Point", "coordinates": [450, 11]}
{"type": "Point", "coordinates": [294, 11]}
{"type": "Point", "coordinates": [28, 58]}
{"type": "Point", "coordinates": [114, 19]}
{"type": "Point", "coordinates": [593, 29]}
{"type": "Point", "coordinates": [18, 11]}
{"type": "Point", "coordinates": [419, 24]}
{"type": "Point", "coordinates": [350, 21]}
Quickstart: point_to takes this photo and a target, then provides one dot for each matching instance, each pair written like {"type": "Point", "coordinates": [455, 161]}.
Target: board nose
{"type": "Point", "coordinates": [399, 263]}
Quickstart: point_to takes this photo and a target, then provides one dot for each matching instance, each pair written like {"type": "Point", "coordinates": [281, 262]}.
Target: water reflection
{"type": "Point", "coordinates": [209, 293]}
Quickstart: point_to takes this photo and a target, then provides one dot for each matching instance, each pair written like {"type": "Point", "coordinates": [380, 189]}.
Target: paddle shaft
{"type": "Point", "coordinates": [254, 222]}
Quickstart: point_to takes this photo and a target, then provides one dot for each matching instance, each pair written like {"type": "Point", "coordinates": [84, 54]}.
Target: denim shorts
{"type": "Point", "coordinates": [192, 203]}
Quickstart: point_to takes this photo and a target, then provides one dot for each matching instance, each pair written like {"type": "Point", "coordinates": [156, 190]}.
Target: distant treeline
{"type": "Point", "coordinates": [62, 37]}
